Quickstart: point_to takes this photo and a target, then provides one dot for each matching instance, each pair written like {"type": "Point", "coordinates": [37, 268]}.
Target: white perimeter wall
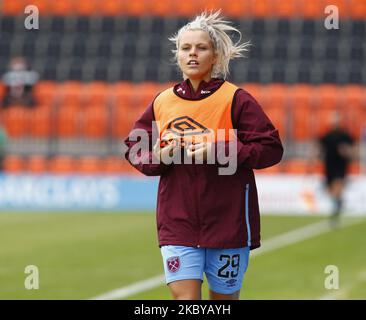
{"type": "Point", "coordinates": [307, 194]}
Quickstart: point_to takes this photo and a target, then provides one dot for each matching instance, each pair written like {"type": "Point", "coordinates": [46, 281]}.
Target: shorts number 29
{"type": "Point", "coordinates": [234, 261]}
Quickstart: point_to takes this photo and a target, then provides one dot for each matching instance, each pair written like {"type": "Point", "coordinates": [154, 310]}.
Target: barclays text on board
{"type": "Point", "coordinates": [75, 192]}
{"type": "Point", "coordinates": [278, 194]}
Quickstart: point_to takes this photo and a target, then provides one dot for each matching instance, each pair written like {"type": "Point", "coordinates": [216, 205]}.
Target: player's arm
{"type": "Point", "coordinates": [142, 160]}
{"type": "Point", "coordinates": [348, 149]}
{"type": "Point", "coordinates": [259, 145]}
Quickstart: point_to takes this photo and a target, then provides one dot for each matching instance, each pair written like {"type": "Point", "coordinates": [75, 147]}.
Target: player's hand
{"type": "Point", "coordinates": [201, 150]}
{"type": "Point", "coordinates": [346, 151]}
{"type": "Point", "coordinates": [166, 152]}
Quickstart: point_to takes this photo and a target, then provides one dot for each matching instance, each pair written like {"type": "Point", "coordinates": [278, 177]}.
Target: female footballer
{"type": "Point", "coordinates": [207, 222]}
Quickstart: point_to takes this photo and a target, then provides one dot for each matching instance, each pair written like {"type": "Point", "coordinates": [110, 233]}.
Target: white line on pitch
{"type": "Point", "coordinates": [298, 235]}
{"type": "Point", "coordinates": [132, 289]}
{"type": "Point", "coordinates": [274, 243]}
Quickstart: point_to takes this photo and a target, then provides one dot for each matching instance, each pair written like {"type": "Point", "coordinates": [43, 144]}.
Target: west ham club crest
{"type": "Point", "coordinates": [173, 264]}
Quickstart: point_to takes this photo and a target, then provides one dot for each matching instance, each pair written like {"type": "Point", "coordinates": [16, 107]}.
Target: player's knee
{"type": "Point", "coordinates": [220, 296]}
{"type": "Point", "coordinates": [186, 296]}
{"type": "Point", "coordinates": [186, 289]}
{"type": "Point", "coordinates": [185, 293]}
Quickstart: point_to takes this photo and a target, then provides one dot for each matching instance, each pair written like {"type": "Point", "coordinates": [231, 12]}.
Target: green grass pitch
{"type": "Point", "coordinates": [83, 255]}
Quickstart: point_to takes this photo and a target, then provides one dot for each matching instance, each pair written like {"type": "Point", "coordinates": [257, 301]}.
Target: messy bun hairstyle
{"type": "Point", "coordinates": [223, 45]}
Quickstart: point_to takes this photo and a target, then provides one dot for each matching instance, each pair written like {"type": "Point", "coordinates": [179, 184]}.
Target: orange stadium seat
{"type": "Point", "coordinates": [95, 121]}
{"type": "Point", "coordinates": [326, 96]}
{"type": "Point", "coordinates": [354, 168]}
{"type": "Point", "coordinates": [67, 121]}
{"type": "Point", "coordinates": [136, 8]}
{"type": "Point", "coordinates": [162, 7]}
{"type": "Point", "coordinates": [62, 8]}
{"type": "Point", "coordinates": [69, 93]}
{"type": "Point", "coordinates": [117, 165]}
{"type": "Point", "coordinates": [89, 164]}
{"type": "Point", "coordinates": [42, 5]}
{"type": "Point", "coordinates": [44, 92]}
{"type": "Point", "coordinates": [300, 122]}
{"type": "Point", "coordinates": [301, 95]}
{"type": "Point", "coordinates": [122, 93]}
{"type": "Point", "coordinates": [321, 121]}
{"type": "Point", "coordinates": [342, 5]}
{"type": "Point", "coordinates": [274, 104]}
{"type": "Point", "coordinates": [122, 122]}
{"type": "Point", "coordinates": [126, 167]}
{"type": "Point", "coordinates": [262, 8]}
{"type": "Point", "coordinates": [86, 8]}
{"type": "Point", "coordinates": [112, 165]}
{"type": "Point", "coordinates": [40, 122]}
{"type": "Point", "coordinates": [16, 121]}
{"type": "Point", "coordinates": [257, 8]}
{"type": "Point", "coordinates": [296, 166]}
{"type": "Point", "coordinates": [352, 96]}
{"type": "Point", "coordinates": [300, 109]}
{"type": "Point", "coordinates": [163, 86]}
{"type": "Point", "coordinates": [145, 92]}
{"type": "Point", "coordinates": [274, 95]}
{"type": "Point", "coordinates": [95, 93]}
{"type": "Point", "coordinates": [36, 164]}
{"type": "Point", "coordinates": [316, 166]}
{"type": "Point", "coordinates": [277, 116]}
{"type": "Point", "coordinates": [109, 7]}
{"type": "Point", "coordinates": [2, 91]}
{"type": "Point", "coordinates": [212, 5]}
{"type": "Point", "coordinates": [310, 9]}
{"type": "Point", "coordinates": [62, 165]}
{"type": "Point", "coordinates": [254, 89]}
{"type": "Point", "coordinates": [186, 8]}
{"type": "Point", "coordinates": [285, 9]}
{"type": "Point", "coordinates": [13, 164]}
{"type": "Point", "coordinates": [357, 9]}
{"type": "Point", "coordinates": [14, 8]}
{"type": "Point", "coordinates": [354, 119]}
{"type": "Point", "coordinates": [236, 9]}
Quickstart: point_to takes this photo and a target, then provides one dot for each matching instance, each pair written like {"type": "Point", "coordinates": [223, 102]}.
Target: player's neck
{"type": "Point", "coordinates": [196, 82]}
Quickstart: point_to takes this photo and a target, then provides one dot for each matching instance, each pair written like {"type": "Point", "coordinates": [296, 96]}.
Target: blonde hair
{"type": "Point", "coordinates": [217, 28]}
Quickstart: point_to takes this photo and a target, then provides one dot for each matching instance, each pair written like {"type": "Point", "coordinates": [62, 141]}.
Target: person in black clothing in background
{"type": "Point", "coordinates": [337, 148]}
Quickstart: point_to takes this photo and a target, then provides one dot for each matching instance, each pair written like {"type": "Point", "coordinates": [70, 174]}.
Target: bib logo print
{"type": "Point", "coordinates": [184, 131]}
{"type": "Point", "coordinates": [184, 126]}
